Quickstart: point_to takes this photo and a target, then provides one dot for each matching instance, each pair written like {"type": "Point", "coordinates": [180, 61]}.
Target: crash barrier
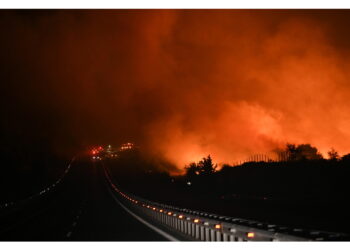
{"type": "Point", "coordinates": [44, 191]}
{"type": "Point", "coordinates": [203, 226]}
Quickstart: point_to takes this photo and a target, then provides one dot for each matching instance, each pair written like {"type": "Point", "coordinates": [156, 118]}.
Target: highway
{"type": "Point", "coordinates": [81, 208]}
{"type": "Point", "coordinates": [85, 205]}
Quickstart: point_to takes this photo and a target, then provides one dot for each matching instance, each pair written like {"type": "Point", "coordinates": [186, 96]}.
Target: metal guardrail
{"type": "Point", "coordinates": [51, 187]}
{"type": "Point", "coordinates": [202, 226]}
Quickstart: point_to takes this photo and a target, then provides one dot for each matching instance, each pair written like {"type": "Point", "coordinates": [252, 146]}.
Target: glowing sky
{"type": "Point", "coordinates": [182, 84]}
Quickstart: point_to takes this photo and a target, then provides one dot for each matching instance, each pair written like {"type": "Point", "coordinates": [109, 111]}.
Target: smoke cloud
{"type": "Point", "coordinates": [180, 83]}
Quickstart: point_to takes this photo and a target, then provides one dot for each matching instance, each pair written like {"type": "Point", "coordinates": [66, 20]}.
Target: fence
{"type": "Point", "coordinates": [202, 226]}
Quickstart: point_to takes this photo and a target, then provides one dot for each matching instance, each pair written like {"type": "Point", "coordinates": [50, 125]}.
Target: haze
{"type": "Point", "coordinates": [181, 84]}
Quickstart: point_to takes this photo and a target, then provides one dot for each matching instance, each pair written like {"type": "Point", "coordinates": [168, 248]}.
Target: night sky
{"type": "Point", "coordinates": [181, 84]}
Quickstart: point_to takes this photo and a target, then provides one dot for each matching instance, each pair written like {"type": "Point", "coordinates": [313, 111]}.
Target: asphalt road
{"type": "Point", "coordinates": [80, 209]}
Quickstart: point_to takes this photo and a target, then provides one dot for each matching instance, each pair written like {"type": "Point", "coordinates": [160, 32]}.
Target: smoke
{"type": "Point", "coordinates": [181, 83]}
{"type": "Point", "coordinates": [249, 86]}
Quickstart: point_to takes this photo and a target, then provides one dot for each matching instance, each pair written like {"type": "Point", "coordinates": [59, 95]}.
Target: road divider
{"type": "Point", "coordinates": [50, 188]}
{"type": "Point", "coordinates": [203, 226]}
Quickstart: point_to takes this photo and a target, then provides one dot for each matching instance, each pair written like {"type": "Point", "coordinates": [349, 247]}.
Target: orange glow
{"type": "Point", "coordinates": [196, 220]}
{"type": "Point", "coordinates": [161, 210]}
{"type": "Point", "coordinates": [169, 213]}
{"type": "Point", "coordinates": [229, 83]}
{"type": "Point", "coordinates": [217, 226]}
{"type": "Point", "coordinates": [180, 216]}
{"type": "Point", "coordinates": [259, 95]}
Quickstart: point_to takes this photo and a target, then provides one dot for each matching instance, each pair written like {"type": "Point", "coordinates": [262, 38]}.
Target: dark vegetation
{"type": "Point", "coordinates": [302, 190]}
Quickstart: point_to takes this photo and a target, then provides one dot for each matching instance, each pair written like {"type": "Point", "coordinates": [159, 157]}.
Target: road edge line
{"type": "Point", "coordinates": [154, 228]}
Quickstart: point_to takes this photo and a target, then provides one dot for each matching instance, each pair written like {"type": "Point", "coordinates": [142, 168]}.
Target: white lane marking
{"type": "Point", "coordinates": [161, 232]}
{"type": "Point", "coordinates": [69, 234]}
{"type": "Point", "coordinates": [74, 224]}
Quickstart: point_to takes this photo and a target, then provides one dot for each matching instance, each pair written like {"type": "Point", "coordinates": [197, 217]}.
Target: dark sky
{"type": "Point", "coordinates": [180, 83]}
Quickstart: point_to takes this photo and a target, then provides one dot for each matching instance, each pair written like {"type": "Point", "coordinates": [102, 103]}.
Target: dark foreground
{"type": "Point", "coordinates": [80, 209]}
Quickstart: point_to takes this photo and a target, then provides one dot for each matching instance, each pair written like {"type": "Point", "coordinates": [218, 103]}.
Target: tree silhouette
{"type": "Point", "coordinates": [192, 170]}
{"type": "Point", "coordinates": [333, 155]}
{"type": "Point", "coordinates": [291, 151]}
{"type": "Point", "coordinates": [346, 158]}
{"type": "Point", "coordinates": [206, 166]}
{"type": "Point", "coordinates": [307, 152]}
{"type": "Point", "coordinates": [302, 152]}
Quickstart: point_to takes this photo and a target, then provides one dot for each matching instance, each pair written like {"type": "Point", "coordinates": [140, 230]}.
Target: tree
{"type": "Point", "coordinates": [206, 166]}
{"type": "Point", "coordinates": [307, 152]}
{"type": "Point", "coordinates": [291, 151]}
{"type": "Point", "coordinates": [346, 158]}
{"type": "Point", "coordinates": [192, 170]}
{"type": "Point", "coordinates": [333, 155]}
{"type": "Point", "coordinates": [302, 152]}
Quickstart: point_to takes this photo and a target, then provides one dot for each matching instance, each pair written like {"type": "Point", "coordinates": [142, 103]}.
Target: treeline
{"type": "Point", "coordinates": [293, 152]}
{"type": "Point", "coordinates": [303, 189]}
{"type": "Point", "coordinates": [302, 175]}
{"type": "Point", "coordinates": [292, 155]}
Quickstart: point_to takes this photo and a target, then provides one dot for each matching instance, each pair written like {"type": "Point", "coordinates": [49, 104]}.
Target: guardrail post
{"type": "Point", "coordinates": [218, 236]}
{"type": "Point", "coordinates": [207, 227]}
{"type": "Point", "coordinates": [202, 235]}
{"type": "Point", "coordinates": [197, 232]}
{"type": "Point", "coordinates": [212, 235]}
{"type": "Point", "coordinates": [207, 234]}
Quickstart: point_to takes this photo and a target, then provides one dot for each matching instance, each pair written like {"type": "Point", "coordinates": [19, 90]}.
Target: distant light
{"type": "Point", "coordinates": [189, 183]}
{"type": "Point", "coordinates": [181, 216]}
{"type": "Point", "coordinates": [154, 208]}
{"type": "Point", "coordinates": [196, 220]}
{"type": "Point", "coordinates": [161, 210]}
{"type": "Point", "coordinates": [217, 226]}
{"type": "Point", "coordinates": [169, 213]}
{"type": "Point", "coordinates": [250, 235]}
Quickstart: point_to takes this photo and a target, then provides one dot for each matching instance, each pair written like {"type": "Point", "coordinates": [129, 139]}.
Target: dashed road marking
{"type": "Point", "coordinates": [69, 234]}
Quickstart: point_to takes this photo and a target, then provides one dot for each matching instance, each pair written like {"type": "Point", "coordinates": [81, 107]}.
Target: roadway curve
{"type": "Point", "coordinates": [80, 209]}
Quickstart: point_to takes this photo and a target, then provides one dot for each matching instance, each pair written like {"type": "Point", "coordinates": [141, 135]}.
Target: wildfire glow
{"type": "Point", "coordinates": [183, 84]}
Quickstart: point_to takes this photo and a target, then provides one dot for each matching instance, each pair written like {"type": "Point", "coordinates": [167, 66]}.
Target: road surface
{"type": "Point", "coordinates": [80, 209]}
